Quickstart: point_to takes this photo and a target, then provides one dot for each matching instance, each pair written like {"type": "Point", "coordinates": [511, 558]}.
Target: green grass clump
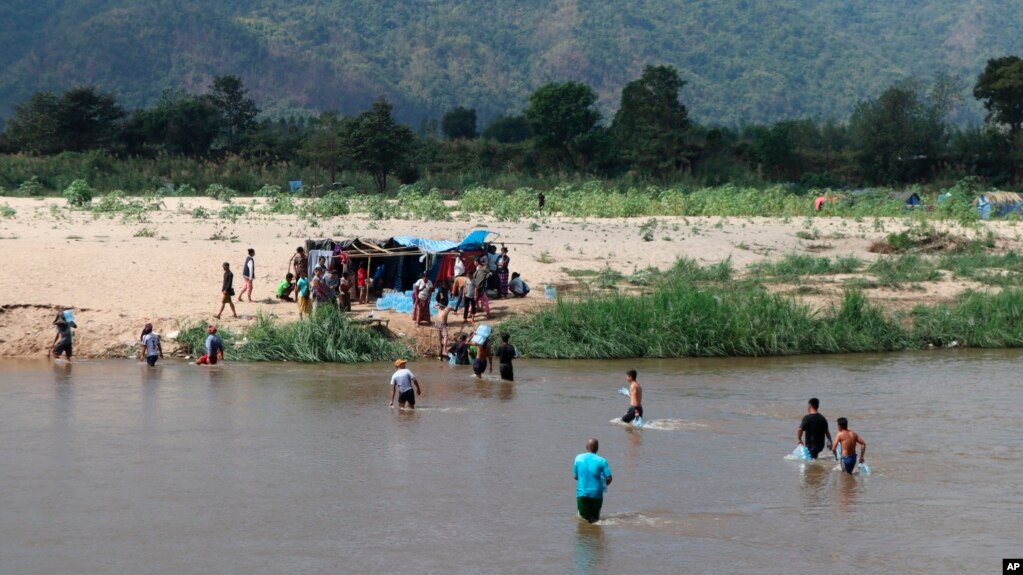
{"type": "Point", "coordinates": [1000, 270]}
{"type": "Point", "coordinates": [794, 266]}
{"type": "Point", "coordinates": [898, 270]}
{"type": "Point", "coordinates": [327, 336]}
{"type": "Point", "coordinates": [7, 211]}
{"type": "Point", "coordinates": [974, 320]}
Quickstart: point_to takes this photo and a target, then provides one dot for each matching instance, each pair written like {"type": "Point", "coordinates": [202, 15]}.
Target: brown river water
{"type": "Point", "coordinates": [111, 467]}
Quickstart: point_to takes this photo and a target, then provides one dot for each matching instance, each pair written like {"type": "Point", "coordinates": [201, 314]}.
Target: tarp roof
{"type": "Point", "coordinates": [426, 245]}
{"type": "Point", "coordinates": [474, 240]}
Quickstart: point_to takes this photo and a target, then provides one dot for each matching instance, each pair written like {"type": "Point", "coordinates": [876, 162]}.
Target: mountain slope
{"type": "Point", "coordinates": [744, 60]}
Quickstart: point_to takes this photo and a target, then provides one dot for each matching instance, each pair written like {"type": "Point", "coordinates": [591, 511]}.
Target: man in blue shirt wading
{"type": "Point", "coordinates": [593, 475]}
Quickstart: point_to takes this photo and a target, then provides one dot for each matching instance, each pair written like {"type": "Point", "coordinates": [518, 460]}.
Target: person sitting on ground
{"type": "Point", "coordinates": [517, 287]}
{"type": "Point", "coordinates": [460, 350]}
{"type": "Point", "coordinates": [214, 348]}
{"type": "Point", "coordinates": [62, 340]}
{"type": "Point", "coordinates": [848, 440]}
{"type": "Point", "coordinates": [285, 288]}
{"type": "Point", "coordinates": [150, 344]}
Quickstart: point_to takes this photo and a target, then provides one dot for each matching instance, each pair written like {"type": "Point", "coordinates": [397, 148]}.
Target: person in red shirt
{"type": "Point", "coordinates": [360, 284]}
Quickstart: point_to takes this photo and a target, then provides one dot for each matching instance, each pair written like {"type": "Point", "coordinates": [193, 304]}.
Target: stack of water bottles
{"type": "Point", "coordinates": [802, 453]}
{"type": "Point", "coordinates": [399, 302]}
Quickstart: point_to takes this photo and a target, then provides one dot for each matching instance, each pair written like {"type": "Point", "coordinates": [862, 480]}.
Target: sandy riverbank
{"type": "Point", "coordinates": [117, 279]}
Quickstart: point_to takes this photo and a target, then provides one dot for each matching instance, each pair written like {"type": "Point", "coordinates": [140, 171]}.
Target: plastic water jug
{"type": "Point", "coordinates": [550, 292]}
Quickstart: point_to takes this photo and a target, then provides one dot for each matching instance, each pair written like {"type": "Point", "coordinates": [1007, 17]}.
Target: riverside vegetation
{"type": "Point", "coordinates": [694, 311]}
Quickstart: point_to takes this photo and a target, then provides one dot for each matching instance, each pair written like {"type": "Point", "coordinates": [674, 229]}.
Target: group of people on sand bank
{"type": "Point", "coordinates": [592, 472]}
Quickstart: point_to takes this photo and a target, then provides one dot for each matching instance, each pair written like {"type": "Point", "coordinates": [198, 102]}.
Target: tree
{"type": "Point", "coordinates": [901, 133]}
{"type": "Point", "coordinates": [651, 123]}
{"type": "Point", "coordinates": [508, 129]}
{"type": "Point", "coordinates": [1000, 86]}
{"type": "Point", "coordinates": [34, 126]}
{"type": "Point", "coordinates": [459, 124]}
{"type": "Point", "coordinates": [80, 119]}
{"type": "Point", "coordinates": [560, 114]}
{"type": "Point", "coordinates": [324, 144]}
{"type": "Point", "coordinates": [376, 144]}
{"type": "Point", "coordinates": [237, 111]}
{"type": "Point", "coordinates": [179, 123]}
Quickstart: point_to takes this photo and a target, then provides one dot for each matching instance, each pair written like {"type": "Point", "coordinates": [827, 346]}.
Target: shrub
{"type": "Point", "coordinates": [79, 193]}
{"type": "Point", "coordinates": [331, 205]}
{"type": "Point", "coordinates": [31, 188]}
{"type": "Point", "coordinates": [220, 192]}
{"type": "Point", "coordinates": [7, 211]}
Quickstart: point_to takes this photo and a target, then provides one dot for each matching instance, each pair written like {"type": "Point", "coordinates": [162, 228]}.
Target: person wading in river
{"type": "Point", "coordinates": [401, 382]}
{"type": "Point", "coordinates": [815, 426]}
{"type": "Point", "coordinates": [635, 397]}
{"type": "Point", "coordinates": [592, 475]}
{"type": "Point", "coordinates": [848, 440]}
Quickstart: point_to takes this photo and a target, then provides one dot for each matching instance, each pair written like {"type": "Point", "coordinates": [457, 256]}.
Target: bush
{"type": "Point", "coordinates": [7, 211]}
{"type": "Point", "coordinates": [331, 205]}
{"type": "Point", "coordinates": [31, 188]}
{"type": "Point", "coordinates": [79, 193]}
{"type": "Point", "coordinates": [220, 192]}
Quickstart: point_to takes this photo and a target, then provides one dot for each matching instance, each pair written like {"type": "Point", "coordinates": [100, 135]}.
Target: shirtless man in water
{"type": "Point", "coordinates": [848, 440]}
{"type": "Point", "coordinates": [635, 397]}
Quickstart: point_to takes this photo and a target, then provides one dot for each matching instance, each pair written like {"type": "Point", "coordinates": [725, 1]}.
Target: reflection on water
{"type": "Point", "coordinates": [111, 466]}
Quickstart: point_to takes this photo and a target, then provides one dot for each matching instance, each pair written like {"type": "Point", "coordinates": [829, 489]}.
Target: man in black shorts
{"type": "Point", "coordinates": [815, 427]}
{"type": "Point", "coordinates": [505, 354]}
{"type": "Point", "coordinates": [402, 382]}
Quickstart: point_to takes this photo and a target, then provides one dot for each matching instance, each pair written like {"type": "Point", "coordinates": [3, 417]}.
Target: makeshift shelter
{"type": "Point", "coordinates": [471, 247]}
{"type": "Point", "coordinates": [908, 199]}
{"type": "Point", "coordinates": [998, 204]}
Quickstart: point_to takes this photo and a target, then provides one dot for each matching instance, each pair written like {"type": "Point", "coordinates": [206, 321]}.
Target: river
{"type": "Point", "coordinates": [112, 467]}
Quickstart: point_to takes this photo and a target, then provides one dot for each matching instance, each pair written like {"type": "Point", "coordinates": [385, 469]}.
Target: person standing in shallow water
{"type": "Point", "coordinates": [150, 344]}
{"type": "Point", "coordinates": [847, 440]}
{"type": "Point", "coordinates": [402, 382]}
{"type": "Point", "coordinates": [592, 475]}
{"type": "Point", "coordinates": [505, 354]}
{"type": "Point", "coordinates": [815, 428]}
{"type": "Point", "coordinates": [635, 397]}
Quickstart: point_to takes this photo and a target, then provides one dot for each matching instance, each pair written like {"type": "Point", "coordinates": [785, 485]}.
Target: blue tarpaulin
{"type": "Point", "coordinates": [427, 246]}
{"type": "Point", "coordinates": [474, 241]}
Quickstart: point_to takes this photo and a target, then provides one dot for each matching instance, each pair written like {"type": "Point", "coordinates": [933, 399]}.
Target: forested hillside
{"type": "Point", "coordinates": [744, 60]}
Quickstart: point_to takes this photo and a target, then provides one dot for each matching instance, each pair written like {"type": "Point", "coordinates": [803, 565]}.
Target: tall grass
{"type": "Point", "coordinates": [974, 320]}
{"type": "Point", "coordinates": [327, 336]}
{"type": "Point", "coordinates": [683, 319]}
{"type": "Point", "coordinates": [686, 318]}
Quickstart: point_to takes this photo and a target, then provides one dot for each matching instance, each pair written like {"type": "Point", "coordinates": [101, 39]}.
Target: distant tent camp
{"type": "Point", "coordinates": [998, 204]}
{"type": "Point", "coordinates": [909, 199]}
